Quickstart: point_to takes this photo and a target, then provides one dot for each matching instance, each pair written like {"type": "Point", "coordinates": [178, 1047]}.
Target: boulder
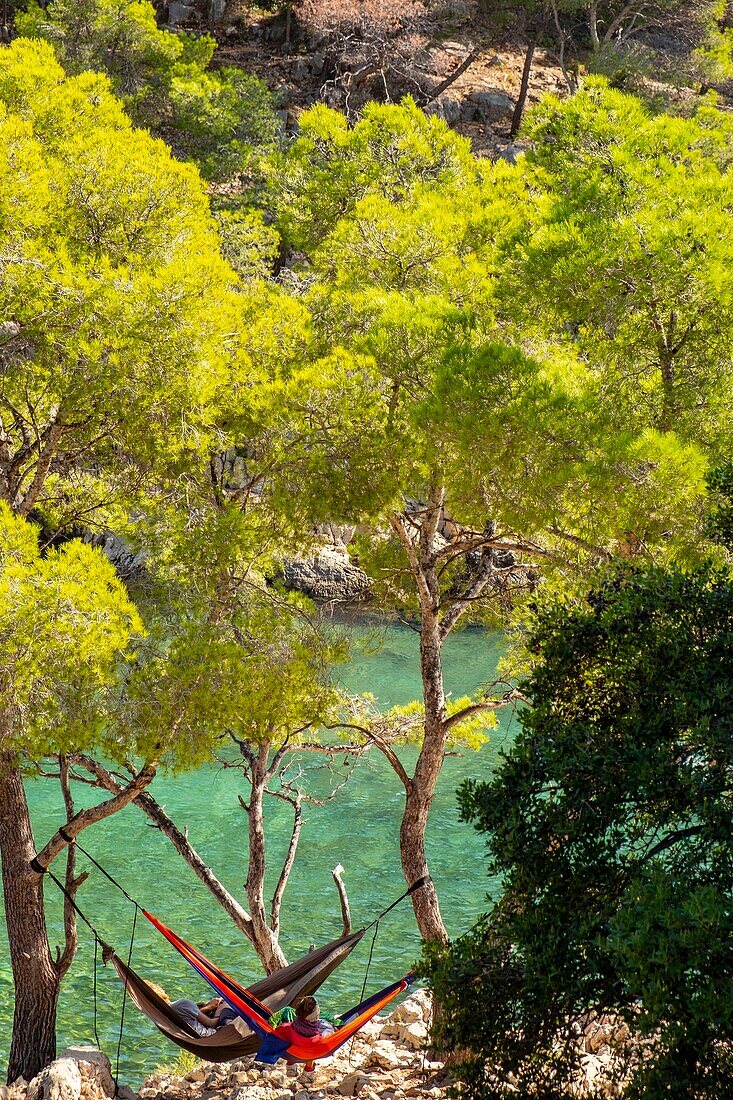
{"type": "Point", "coordinates": [450, 110]}
{"type": "Point", "coordinates": [371, 1031]}
{"type": "Point", "coordinates": [80, 1073]}
{"type": "Point", "coordinates": [509, 153]}
{"type": "Point", "coordinates": [353, 1084]}
{"type": "Point", "coordinates": [179, 13]}
{"type": "Point", "coordinates": [128, 563]}
{"type": "Point", "coordinates": [489, 107]}
{"type": "Point", "coordinates": [326, 575]}
{"type": "Point", "coordinates": [318, 63]}
{"type": "Point", "coordinates": [416, 1007]}
{"type": "Point", "coordinates": [59, 1081]}
{"type": "Point", "coordinates": [385, 1054]}
{"type": "Point", "coordinates": [195, 1076]}
{"type": "Point", "coordinates": [237, 1080]}
{"type": "Point", "coordinates": [414, 1035]}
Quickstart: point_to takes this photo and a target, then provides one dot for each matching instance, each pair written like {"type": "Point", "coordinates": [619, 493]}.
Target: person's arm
{"type": "Point", "coordinates": [209, 1013]}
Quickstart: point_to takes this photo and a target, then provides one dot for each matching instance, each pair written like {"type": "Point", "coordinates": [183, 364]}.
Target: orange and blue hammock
{"type": "Point", "coordinates": [282, 1041]}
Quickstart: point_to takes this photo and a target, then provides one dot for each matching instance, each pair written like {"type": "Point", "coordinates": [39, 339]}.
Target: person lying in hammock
{"type": "Point", "coordinates": [203, 1017]}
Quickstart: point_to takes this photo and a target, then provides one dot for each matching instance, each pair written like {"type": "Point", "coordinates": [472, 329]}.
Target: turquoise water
{"type": "Point", "coordinates": [358, 828]}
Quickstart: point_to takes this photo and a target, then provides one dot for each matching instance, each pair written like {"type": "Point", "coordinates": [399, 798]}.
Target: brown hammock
{"type": "Point", "coordinates": [232, 1041]}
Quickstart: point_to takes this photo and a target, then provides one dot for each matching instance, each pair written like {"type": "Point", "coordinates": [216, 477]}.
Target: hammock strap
{"type": "Point", "coordinates": [366, 975]}
{"type": "Point", "coordinates": [74, 840]}
{"type": "Point", "coordinates": [415, 886]}
{"type": "Point", "coordinates": [369, 960]}
{"type": "Point", "coordinates": [98, 942]}
{"type": "Point", "coordinates": [97, 938]}
{"type": "Point", "coordinates": [94, 993]}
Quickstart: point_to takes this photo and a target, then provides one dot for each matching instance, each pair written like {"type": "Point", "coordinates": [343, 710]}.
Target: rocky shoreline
{"type": "Point", "coordinates": [385, 1061]}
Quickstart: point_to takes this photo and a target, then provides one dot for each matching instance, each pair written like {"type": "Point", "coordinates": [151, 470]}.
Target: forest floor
{"type": "Point", "coordinates": [347, 52]}
{"type": "Point", "coordinates": [330, 66]}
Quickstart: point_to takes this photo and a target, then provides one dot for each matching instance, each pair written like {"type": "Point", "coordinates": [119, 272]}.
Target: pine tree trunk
{"type": "Point", "coordinates": [424, 782]}
{"type": "Point", "coordinates": [593, 24]}
{"type": "Point", "coordinates": [265, 942]}
{"type": "Point", "coordinates": [430, 759]}
{"type": "Point", "coordinates": [36, 978]}
{"type": "Point", "coordinates": [523, 89]}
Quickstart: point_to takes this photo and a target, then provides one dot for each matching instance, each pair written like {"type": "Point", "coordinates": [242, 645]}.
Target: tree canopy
{"type": "Point", "coordinates": [608, 829]}
{"type": "Point", "coordinates": [218, 118]}
{"type": "Point", "coordinates": [497, 371]}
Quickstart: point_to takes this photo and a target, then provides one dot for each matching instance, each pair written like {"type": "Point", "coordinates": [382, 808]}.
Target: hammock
{"type": "Point", "coordinates": [285, 1042]}
{"type": "Point", "coordinates": [232, 1041]}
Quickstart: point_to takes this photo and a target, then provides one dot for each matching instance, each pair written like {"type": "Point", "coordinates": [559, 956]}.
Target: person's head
{"type": "Point", "coordinates": [160, 991]}
{"type": "Point", "coordinates": [307, 1009]}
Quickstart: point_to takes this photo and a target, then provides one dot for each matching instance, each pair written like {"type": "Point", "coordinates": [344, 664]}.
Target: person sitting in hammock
{"type": "Point", "coordinates": [308, 1020]}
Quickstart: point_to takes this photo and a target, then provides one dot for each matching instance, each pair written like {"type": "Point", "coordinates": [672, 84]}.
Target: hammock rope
{"type": "Point", "coordinates": [98, 939]}
{"type": "Point", "coordinates": [74, 840]}
{"type": "Point", "coordinates": [366, 975]}
{"type": "Point", "coordinates": [124, 1002]}
{"type": "Point", "coordinates": [417, 885]}
{"type": "Point", "coordinates": [98, 942]}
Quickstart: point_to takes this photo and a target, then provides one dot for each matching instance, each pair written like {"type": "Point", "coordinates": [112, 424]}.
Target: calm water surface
{"type": "Point", "coordinates": [358, 829]}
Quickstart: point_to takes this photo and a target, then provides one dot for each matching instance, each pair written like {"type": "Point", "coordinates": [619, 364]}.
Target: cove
{"type": "Point", "coordinates": [358, 829]}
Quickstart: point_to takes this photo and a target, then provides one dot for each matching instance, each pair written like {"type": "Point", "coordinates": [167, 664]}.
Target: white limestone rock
{"type": "Point", "coordinates": [371, 1030]}
{"type": "Point", "coordinates": [352, 1085]}
{"type": "Point", "coordinates": [195, 1076]}
{"type": "Point", "coordinates": [59, 1081]}
{"type": "Point", "coordinates": [384, 1054]}
{"type": "Point", "coordinates": [79, 1073]}
{"type": "Point", "coordinates": [414, 1035]}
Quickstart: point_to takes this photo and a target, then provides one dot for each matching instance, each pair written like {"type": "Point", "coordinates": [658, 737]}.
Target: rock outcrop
{"type": "Point", "coordinates": [327, 575]}
{"type": "Point", "coordinates": [129, 564]}
{"type": "Point", "coordinates": [79, 1073]}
